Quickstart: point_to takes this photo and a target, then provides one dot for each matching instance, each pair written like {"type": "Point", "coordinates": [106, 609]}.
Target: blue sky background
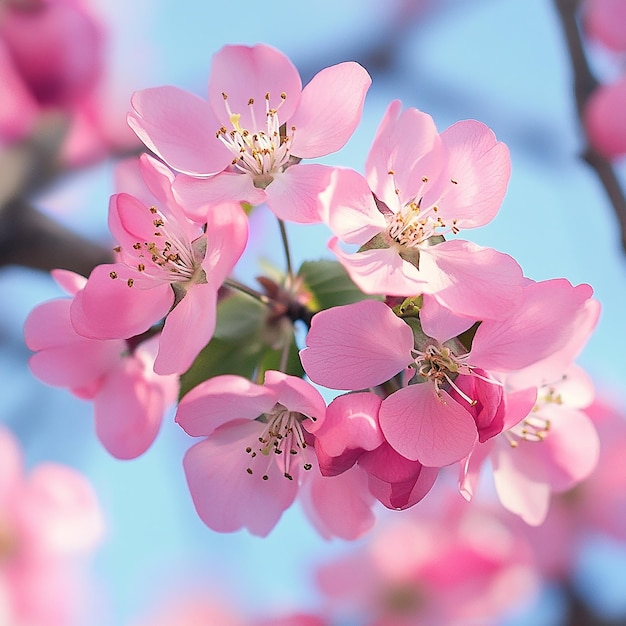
{"type": "Point", "coordinates": [499, 61]}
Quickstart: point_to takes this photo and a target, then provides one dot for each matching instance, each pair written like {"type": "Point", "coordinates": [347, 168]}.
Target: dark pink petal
{"type": "Point", "coordinates": [247, 73]}
{"type": "Point", "coordinates": [185, 141]}
{"type": "Point", "coordinates": [406, 149]}
{"type": "Point", "coordinates": [298, 395]}
{"type": "Point", "coordinates": [382, 271]}
{"type": "Point", "coordinates": [472, 185]}
{"type": "Point", "coordinates": [128, 410]}
{"type": "Point", "coordinates": [188, 328]}
{"type": "Point", "coordinates": [346, 350]}
{"type": "Point", "coordinates": [294, 195]}
{"type": "Point", "coordinates": [472, 281]}
{"type": "Point", "coordinates": [109, 309]}
{"type": "Point", "coordinates": [219, 400]}
{"type": "Point", "coordinates": [350, 209]}
{"type": "Point", "coordinates": [549, 313]}
{"type": "Point", "coordinates": [198, 196]}
{"type": "Point", "coordinates": [329, 110]}
{"type": "Point", "coordinates": [226, 235]}
{"type": "Point", "coordinates": [604, 21]}
{"type": "Point", "coordinates": [424, 426]}
{"type": "Point", "coordinates": [323, 498]}
{"type": "Point", "coordinates": [226, 496]}
{"type": "Point", "coordinates": [351, 423]}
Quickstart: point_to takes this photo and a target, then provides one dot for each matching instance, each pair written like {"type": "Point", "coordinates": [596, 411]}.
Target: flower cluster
{"type": "Point", "coordinates": [448, 353]}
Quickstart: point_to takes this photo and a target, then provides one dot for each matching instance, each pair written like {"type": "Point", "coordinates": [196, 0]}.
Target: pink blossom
{"type": "Point", "coordinates": [232, 147]}
{"type": "Point", "coordinates": [454, 565]}
{"type": "Point", "coordinates": [604, 118]}
{"type": "Point", "coordinates": [49, 521]}
{"type": "Point", "coordinates": [258, 450]}
{"type": "Point", "coordinates": [604, 21]}
{"type": "Point", "coordinates": [169, 267]}
{"type": "Point", "coordinates": [424, 422]}
{"type": "Point", "coordinates": [56, 46]}
{"type": "Point", "coordinates": [420, 186]}
{"type": "Point", "coordinates": [552, 448]}
{"type": "Point", "coordinates": [129, 398]}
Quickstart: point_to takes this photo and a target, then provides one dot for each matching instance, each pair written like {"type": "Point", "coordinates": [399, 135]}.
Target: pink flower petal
{"type": "Point", "coordinates": [345, 349]}
{"type": "Point", "coordinates": [350, 209]}
{"type": "Point", "coordinates": [604, 119]}
{"type": "Point", "coordinates": [246, 73]}
{"type": "Point", "coordinates": [199, 196]}
{"type": "Point", "coordinates": [297, 395]}
{"type": "Point", "coordinates": [480, 168]}
{"type": "Point", "coordinates": [470, 280]}
{"type": "Point", "coordinates": [422, 426]}
{"type": "Point", "coordinates": [128, 410]}
{"type": "Point", "coordinates": [329, 110]}
{"type": "Point", "coordinates": [222, 399]}
{"type": "Point", "coordinates": [226, 496]}
{"type": "Point", "coordinates": [188, 328]}
{"type": "Point", "coordinates": [294, 194]}
{"type": "Point", "coordinates": [186, 142]}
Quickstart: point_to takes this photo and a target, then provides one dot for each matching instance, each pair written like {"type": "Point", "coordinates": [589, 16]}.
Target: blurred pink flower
{"type": "Point", "coordinates": [129, 398]}
{"type": "Point", "coordinates": [258, 123]}
{"type": "Point", "coordinates": [604, 21]}
{"type": "Point", "coordinates": [49, 521]}
{"type": "Point", "coordinates": [604, 118]}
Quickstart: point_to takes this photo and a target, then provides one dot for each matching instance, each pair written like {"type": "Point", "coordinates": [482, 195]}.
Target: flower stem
{"type": "Point", "coordinates": [257, 295]}
{"type": "Point", "coordinates": [283, 235]}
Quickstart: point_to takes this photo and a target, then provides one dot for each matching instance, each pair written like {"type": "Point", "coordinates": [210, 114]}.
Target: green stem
{"type": "Point", "coordinates": [257, 295]}
{"type": "Point", "coordinates": [283, 235]}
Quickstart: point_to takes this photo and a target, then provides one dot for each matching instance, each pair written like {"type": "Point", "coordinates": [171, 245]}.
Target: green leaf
{"type": "Point", "coordinates": [329, 285]}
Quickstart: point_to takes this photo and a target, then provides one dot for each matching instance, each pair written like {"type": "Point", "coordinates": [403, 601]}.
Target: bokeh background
{"type": "Point", "coordinates": [503, 62]}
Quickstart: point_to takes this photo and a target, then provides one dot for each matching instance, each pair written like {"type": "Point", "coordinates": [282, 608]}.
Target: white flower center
{"type": "Point", "coordinates": [262, 152]}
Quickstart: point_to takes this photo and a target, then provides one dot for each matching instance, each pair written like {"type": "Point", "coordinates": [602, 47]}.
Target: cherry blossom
{"type": "Point", "coordinates": [604, 118]}
{"type": "Point", "coordinates": [421, 186]}
{"type": "Point", "coordinates": [258, 123]}
{"type": "Point", "coordinates": [129, 398]}
{"type": "Point", "coordinates": [50, 520]}
{"type": "Point", "coordinates": [169, 267]}
{"type": "Point", "coordinates": [257, 451]}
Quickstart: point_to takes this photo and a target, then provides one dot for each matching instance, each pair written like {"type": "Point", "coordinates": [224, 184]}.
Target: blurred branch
{"type": "Point", "coordinates": [584, 85]}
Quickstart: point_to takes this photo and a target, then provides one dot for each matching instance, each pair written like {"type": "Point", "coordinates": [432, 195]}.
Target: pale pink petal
{"type": "Point", "coordinates": [188, 328]}
{"type": "Point", "coordinates": [245, 73]}
{"type": "Point", "coordinates": [518, 493]}
{"type": "Point", "coordinates": [382, 271]}
{"type": "Point", "coordinates": [472, 281]}
{"type": "Point", "coordinates": [219, 400]}
{"type": "Point", "coordinates": [351, 422]}
{"type": "Point", "coordinates": [227, 497]}
{"type": "Point", "coordinates": [549, 313]}
{"type": "Point", "coordinates": [407, 149]}
{"type": "Point", "coordinates": [109, 309]}
{"type": "Point", "coordinates": [604, 119]}
{"type": "Point", "coordinates": [297, 395]}
{"type": "Point", "coordinates": [329, 110]}
{"type": "Point", "coordinates": [70, 282]}
{"type": "Point", "coordinates": [199, 196]}
{"type": "Point", "coordinates": [68, 504]}
{"type": "Point", "coordinates": [472, 185]}
{"type": "Point", "coordinates": [158, 179]}
{"type": "Point", "coordinates": [575, 387]}
{"type": "Point", "coordinates": [128, 410]}
{"type": "Point", "coordinates": [227, 235]}
{"type": "Point", "coordinates": [439, 322]}
{"type": "Point", "coordinates": [345, 349]}
{"type": "Point", "coordinates": [426, 427]}
{"type": "Point", "coordinates": [469, 474]}
{"type": "Point", "coordinates": [322, 498]}
{"type": "Point", "coordinates": [349, 208]}
{"type": "Point", "coordinates": [294, 195]}
{"type": "Point", "coordinates": [11, 468]}
{"type": "Point", "coordinates": [179, 127]}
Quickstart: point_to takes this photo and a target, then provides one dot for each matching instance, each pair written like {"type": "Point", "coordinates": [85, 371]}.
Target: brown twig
{"type": "Point", "coordinates": [584, 85]}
